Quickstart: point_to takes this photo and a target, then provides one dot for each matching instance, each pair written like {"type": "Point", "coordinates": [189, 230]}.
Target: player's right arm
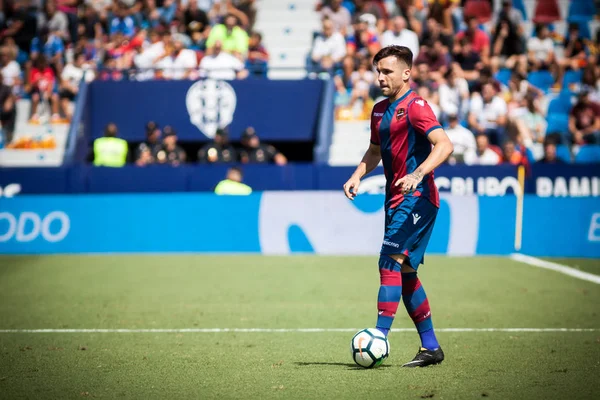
{"type": "Point", "coordinates": [369, 162]}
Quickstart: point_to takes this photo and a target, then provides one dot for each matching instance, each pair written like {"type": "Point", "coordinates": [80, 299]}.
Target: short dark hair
{"type": "Point", "coordinates": [402, 53]}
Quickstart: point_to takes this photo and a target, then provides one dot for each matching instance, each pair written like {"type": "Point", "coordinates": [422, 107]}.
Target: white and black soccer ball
{"type": "Point", "coordinates": [369, 348]}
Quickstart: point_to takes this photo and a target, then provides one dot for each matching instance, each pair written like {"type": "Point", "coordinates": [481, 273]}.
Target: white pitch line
{"type": "Point", "coordinates": [298, 330]}
{"type": "Point", "coordinates": [563, 269]}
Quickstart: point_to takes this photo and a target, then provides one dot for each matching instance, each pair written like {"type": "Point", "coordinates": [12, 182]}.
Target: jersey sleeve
{"type": "Point", "coordinates": [422, 118]}
{"type": "Point", "coordinates": [374, 132]}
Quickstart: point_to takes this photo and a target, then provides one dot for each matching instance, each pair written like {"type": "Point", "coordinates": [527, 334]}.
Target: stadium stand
{"type": "Point", "coordinates": [187, 39]}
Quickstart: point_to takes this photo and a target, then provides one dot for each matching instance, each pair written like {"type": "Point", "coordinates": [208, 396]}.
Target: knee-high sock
{"type": "Point", "coordinates": [417, 306]}
{"type": "Point", "coordinates": [390, 292]}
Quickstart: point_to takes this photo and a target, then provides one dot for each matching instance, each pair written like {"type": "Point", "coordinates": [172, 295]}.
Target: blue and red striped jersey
{"type": "Point", "coordinates": [400, 129]}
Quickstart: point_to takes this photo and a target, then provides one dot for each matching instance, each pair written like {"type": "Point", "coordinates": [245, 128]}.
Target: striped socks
{"type": "Point", "coordinates": [417, 306]}
{"type": "Point", "coordinates": [390, 292]}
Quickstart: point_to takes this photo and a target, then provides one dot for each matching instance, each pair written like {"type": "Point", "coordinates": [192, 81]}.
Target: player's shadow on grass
{"type": "Point", "coordinates": [334, 364]}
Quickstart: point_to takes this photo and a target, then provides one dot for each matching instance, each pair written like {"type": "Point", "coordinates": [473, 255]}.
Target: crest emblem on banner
{"type": "Point", "coordinates": [210, 105]}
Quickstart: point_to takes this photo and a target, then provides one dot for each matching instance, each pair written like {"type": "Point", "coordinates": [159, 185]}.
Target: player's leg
{"type": "Point", "coordinates": [390, 291]}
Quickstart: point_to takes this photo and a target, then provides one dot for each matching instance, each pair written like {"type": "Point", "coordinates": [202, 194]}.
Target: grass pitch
{"type": "Point", "coordinates": [155, 292]}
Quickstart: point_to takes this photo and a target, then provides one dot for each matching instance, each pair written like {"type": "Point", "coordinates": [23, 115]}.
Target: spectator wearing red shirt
{"type": "Point", "coordinates": [480, 41]}
{"type": "Point", "coordinates": [42, 86]}
{"type": "Point", "coordinates": [258, 57]}
{"type": "Point", "coordinates": [584, 120]}
{"type": "Point", "coordinates": [364, 41]}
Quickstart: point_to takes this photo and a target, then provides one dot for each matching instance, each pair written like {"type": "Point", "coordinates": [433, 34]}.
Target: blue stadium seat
{"type": "Point", "coordinates": [571, 77]}
{"type": "Point", "coordinates": [520, 5]}
{"type": "Point", "coordinates": [590, 153]}
{"type": "Point", "coordinates": [563, 153]}
{"type": "Point", "coordinates": [584, 29]}
{"type": "Point", "coordinates": [581, 10]}
{"type": "Point", "coordinates": [558, 123]}
{"type": "Point", "coordinates": [561, 104]}
{"type": "Point", "coordinates": [543, 80]}
{"type": "Point", "coordinates": [503, 76]}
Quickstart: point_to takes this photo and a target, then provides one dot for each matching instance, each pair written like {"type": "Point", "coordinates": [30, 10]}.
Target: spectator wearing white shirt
{"type": "Point", "coordinates": [222, 65]}
{"type": "Point", "coordinates": [180, 64]}
{"type": "Point", "coordinates": [540, 48]}
{"type": "Point", "coordinates": [488, 114]}
{"type": "Point", "coordinates": [70, 78]}
{"type": "Point", "coordinates": [11, 71]}
{"type": "Point", "coordinates": [401, 36]}
{"type": "Point", "coordinates": [482, 154]}
{"type": "Point", "coordinates": [454, 96]}
{"type": "Point", "coordinates": [329, 48]}
{"type": "Point", "coordinates": [462, 139]}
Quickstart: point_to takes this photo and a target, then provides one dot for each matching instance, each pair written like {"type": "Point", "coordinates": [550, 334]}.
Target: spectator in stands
{"type": "Point", "coordinates": [361, 80]}
{"type": "Point", "coordinates": [467, 62]}
{"type": "Point", "coordinates": [510, 155]}
{"type": "Point", "coordinates": [530, 124]}
{"type": "Point", "coordinates": [488, 114]}
{"type": "Point", "coordinates": [590, 82]}
{"type": "Point", "coordinates": [433, 33]}
{"type": "Point", "coordinates": [540, 49]}
{"type": "Point", "coordinates": [41, 87]}
{"type": "Point", "coordinates": [219, 150]}
{"type": "Point", "coordinates": [110, 151]}
{"type": "Point", "coordinates": [51, 46]}
{"type": "Point", "coordinates": [55, 20]}
{"type": "Point", "coordinates": [10, 68]}
{"type": "Point", "coordinates": [93, 21]}
{"type": "Point", "coordinates": [197, 25]}
{"type": "Point", "coordinates": [342, 81]}
{"type": "Point", "coordinates": [221, 65]}
{"type": "Point", "coordinates": [414, 12]}
{"type": "Point", "coordinates": [253, 151]}
{"type": "Point", "coordinates": [479, 40]}
{"type": "Point", "coordinates": [329, 49]}
{"type": "Point", "coordinates": [574, 55]}
{"type": "Point", "coordinates": [507, 44]}
{"type": "Point", "coordinates": [462, 139]}
{"type": "Point", "coordinates": [550, 154]}
{"type": "Point", "coordinates": [152, 144]}
{"type": "Point", "coordinates": [400, 35]}
{"type": "Point", "coordinates": [422, 77]}
{"type": "Point", "coordinates": [145, 156]}
{"type": "Point", "coordinates": [482, 154]}
{"type": "Point", "coordinates": [233, 39]}
{"type": "Point", "coordinates": [8, 111]}
{"type": "Point", "coordinates": [364, 42]}
{"type": "Point", "coordinates": [169, 152]}
{"type": "Point", "coordinates": [454, 96]}
{"type": "Point", "coordinates": [70, 79]}
{"type": "Point", "coordinates": [432, 98]}
{"type": "Point", "coordinates": [375, 9]}
{"type": "Point", "coordinates": [121, 22]}
{"type": "Point", "coordinates": [508, 13]}
{"type": "Point", "coordinates": [584, 120]}
{"type": "Point", "coordinates": [178, 62]}
{"type": "Point", "coordinates": [340, 16]}
{"type": "Point", "coordinates": [245, 11]}
{"type": "Point", "coordinates": [20, 25]}
{"type": "Point", "coordinates": [258, 56]}
{"type": "Point", "coordinates": [232, 184]}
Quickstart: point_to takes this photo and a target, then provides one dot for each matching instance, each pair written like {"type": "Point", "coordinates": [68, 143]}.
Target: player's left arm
{"type": "Point", "coordinates": [425, 123]}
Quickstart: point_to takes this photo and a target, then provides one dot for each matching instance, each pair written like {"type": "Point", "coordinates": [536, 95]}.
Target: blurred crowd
{"type": "Point", "coordinates": [503, 94]}
{"type": "Point", "coordinates": [46, 46]}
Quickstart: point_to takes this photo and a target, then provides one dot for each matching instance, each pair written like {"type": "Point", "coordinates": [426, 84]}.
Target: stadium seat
{"type": "Point", "coordinates": [584, 29]}
{"type": "Point", "coordinates": [563, 153]}
{"type": "Point", "coordinates": [558, 123]}
{"type": "Point", "coordinates": [546, 11]}
{"type": "Point", "coordinates": [561, 104]}
{"type": "Point", "coordinates": [520, 5]}
{"type": "Point", "coordinates": [479, 9]}
{"type": "Point", "coordinates": [503, 76]}
{"type": "Point", "coordinates": [589, 153]}
{"type": "Point", "coordinates": [543, 80]}
{"type": "Point", "coordinates": [572, 77]}
{"type": "Point", "coordinates": [581, 10]}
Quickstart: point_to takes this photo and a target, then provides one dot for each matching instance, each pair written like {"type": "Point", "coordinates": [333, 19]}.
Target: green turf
{"type": "Point", "coordinates": [583, 264]}
{"type": "Point", "coordinates": [286, 292]}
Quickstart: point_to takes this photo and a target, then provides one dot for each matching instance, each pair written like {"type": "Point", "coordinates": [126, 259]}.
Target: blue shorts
{"type": "Point", "coordinates": [408, 228]}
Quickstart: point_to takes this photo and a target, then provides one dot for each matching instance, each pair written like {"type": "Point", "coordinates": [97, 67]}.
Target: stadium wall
{"type": "Point", "coordinates": [323, 222]}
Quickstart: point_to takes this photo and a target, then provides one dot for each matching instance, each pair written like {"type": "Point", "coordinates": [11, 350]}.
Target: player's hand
{"type": "Point", "coordinates": [409, 183]}
{"type": "Point", "coordinates": [351, 187]}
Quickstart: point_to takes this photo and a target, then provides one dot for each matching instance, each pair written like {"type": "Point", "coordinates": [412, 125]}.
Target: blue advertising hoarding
{"type": "Point", "coordinates": [323, 222]}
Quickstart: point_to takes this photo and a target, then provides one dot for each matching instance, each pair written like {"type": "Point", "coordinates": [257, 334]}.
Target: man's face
{"type": "Point", "coordinates": [482, 143]}
{"type": "Point", "coordinates": [171, 141]}
{"type": "Point", "coordinates": [399, 24]}
{"type": "Point", "coordinates": [178, 44]}
{"type": "Point", "coordinates": [230, 22]}
{"type": "Point", "coordinates": [392, 75]}
{"type": "Point", "coordinates": [550, 151]}
{"type": "Point", "coordinates": [488, 92]}
{"type": "Point", "coordinates": [473, 24]}
{"type": "Point", "coordinates": [327, 28]}
{"type": "Point", "coordinates": [509, 150]}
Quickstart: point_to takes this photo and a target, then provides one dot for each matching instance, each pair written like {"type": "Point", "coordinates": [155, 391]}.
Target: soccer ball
{"type": "Point", "coordinates": [369, 348]}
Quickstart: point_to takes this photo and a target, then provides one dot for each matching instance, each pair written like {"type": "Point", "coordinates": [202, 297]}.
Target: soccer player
{"type": "Point", "coordinates": [403, 130]}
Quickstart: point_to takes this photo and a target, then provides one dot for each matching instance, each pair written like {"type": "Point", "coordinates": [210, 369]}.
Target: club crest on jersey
{"type": "Point", "coordinates": [401, 112]}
